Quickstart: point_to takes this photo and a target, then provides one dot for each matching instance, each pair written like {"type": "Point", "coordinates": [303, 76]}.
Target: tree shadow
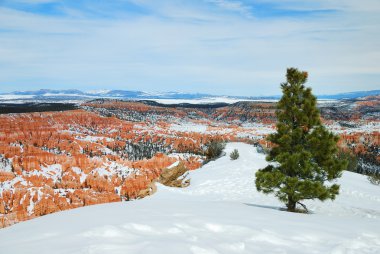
{"type": "Point", "coordinates": [265, 206]}
{"type": "Point", "coordinates": [282, 209]}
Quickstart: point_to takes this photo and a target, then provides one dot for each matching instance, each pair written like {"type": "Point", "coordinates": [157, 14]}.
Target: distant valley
{"type": "Point", "coordinates": [56, 156]}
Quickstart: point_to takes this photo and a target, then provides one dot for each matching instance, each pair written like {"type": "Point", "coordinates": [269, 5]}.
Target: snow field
{"type": "Point", "coordinates": [220, 212]}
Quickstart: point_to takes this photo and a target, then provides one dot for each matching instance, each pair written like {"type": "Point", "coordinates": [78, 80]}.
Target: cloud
{"type": "Point", "coordinates": [197, 46]}
{"type": "Point", "coordinates": [236, 6]}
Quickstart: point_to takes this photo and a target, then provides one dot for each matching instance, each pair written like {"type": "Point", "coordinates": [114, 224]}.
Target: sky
{"type": "Point", "coordinates": [230, 47]}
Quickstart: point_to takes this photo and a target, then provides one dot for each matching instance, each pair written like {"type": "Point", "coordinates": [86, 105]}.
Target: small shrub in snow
{"type": "Point", "coordinates": [374, 178]}
{"type": "Point", "coordinates": [234, 155]}
{"type": "Point", "coordinates": [352, 160]}
{"type": "Point", "coordinates": [214, 149]}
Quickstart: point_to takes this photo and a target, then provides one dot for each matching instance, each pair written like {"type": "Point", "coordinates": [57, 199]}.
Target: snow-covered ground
{"type": "Point", "coordinates": [14, 97]}
{"type": "Point", "coordinates": [221, 212]}
{"type": "Point", "coordinates": [228, 100]}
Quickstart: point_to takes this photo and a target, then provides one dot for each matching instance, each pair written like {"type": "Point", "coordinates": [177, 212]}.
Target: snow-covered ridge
{"type": "Point", "coordinates": [221, 212]}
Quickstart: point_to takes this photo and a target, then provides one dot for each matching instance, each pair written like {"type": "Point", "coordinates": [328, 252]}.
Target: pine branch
{"type": "Point", "coordinates": [304, 206]}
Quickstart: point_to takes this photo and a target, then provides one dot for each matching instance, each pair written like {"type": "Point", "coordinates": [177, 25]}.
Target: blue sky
{"type": "Point", "coordinates": [210, 46]}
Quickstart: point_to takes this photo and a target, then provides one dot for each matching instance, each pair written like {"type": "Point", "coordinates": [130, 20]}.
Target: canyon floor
{"type": "Point", "coordinates": [220, 212]}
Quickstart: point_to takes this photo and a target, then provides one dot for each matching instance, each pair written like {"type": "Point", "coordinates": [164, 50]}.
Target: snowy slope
{"type": "Point", "coordinates": [219, 213]}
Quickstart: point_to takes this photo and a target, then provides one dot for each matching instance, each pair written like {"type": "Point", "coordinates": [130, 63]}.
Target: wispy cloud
{"type": "Point", "coordinates": [236, 6]}
{"type": "Point", "coordinates": [214, 46]}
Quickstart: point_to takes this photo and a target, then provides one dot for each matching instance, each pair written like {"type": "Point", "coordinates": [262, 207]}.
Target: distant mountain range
{"type": "Point", "coordinates": [351, 95]}
{"type": "Point", "coordinates": [122, 94]}
{"type": "Point", "coordinates": [74, 94]}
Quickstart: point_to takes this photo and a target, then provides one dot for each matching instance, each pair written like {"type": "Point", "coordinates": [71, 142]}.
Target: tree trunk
{"type": "Point", "coordinates": [291, 205]}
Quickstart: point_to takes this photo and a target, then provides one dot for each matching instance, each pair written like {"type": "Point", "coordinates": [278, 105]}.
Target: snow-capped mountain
{"type": "Point", "coordinates": [350, 95]}
{"type": "Point", "coordinates": [48, 94]}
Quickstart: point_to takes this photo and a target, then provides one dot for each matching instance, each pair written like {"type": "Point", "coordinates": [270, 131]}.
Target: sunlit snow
{"type": "Point", "coordinates": [220, 212]}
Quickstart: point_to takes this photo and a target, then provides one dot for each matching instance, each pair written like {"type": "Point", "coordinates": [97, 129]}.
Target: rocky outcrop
{"type": "Point", "coordinates": [55, 161]}
{"type": "Point", "coordinates": [175, 176]}
{"type": "Point", "coordinates": [6, 176]}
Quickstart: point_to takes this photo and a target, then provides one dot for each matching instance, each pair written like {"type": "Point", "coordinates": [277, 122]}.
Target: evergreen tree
{"type": "Point", "coordinates": [304, 154]}
{"type": "Point", "coordinates": [234, 155]}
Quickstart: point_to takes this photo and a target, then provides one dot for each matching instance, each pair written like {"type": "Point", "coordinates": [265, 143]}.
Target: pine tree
{"type": "Point", "coordinates": [234, 155]}
{"type": "Point", "coordinates": [304, 154]}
